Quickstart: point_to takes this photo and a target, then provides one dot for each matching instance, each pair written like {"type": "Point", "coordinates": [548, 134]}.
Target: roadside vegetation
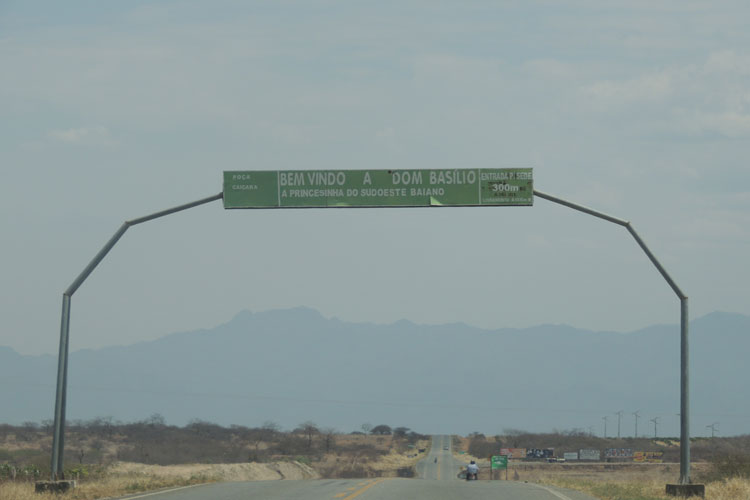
{"type": "Point", "coordinates": [722, 464]}
{"type": "Point", "coordinates": [110, 458]}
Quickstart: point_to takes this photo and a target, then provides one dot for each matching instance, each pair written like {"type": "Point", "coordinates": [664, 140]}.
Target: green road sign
{"type": "Point", "coordinates": [499, 462]}
{"type": "Point", "coordinates": [378, 188]}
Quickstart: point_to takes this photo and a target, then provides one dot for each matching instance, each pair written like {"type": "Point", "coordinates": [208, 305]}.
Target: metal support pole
{"type": "Point", "coordinates": [684, 358]}
{"type": "Point", "coordinates": [637, 415]}
{"type": "Point", "coordinates": [58, 439]}
{"type": "Point", "coordinates": [713, 429]}
{"type": "Point", "coordinates": [684, 396]}
{"type": "Point", "coordinates": [62, 368]}
{"type": "Point", "coordinates": [655, 420]}
{"type": "Point", "coordinates": [605, 426]}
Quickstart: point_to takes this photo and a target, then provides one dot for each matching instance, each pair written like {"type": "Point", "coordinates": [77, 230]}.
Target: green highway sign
{"type": "Point", "coordinates": [378, 188]}
{"type": "Point", "coordinates": [499, 462]}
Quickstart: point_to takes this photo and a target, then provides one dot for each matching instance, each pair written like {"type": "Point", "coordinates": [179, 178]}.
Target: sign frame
{"type": "Point", "coordinates": [396, 188]}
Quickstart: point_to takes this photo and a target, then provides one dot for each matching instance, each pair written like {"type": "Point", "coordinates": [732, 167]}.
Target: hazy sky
{"type": "Point", "coordinates": [114, 110]}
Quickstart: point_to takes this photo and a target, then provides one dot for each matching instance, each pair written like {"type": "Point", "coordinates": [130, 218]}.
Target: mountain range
{"type": "Point", "coordinates": [294, 365]}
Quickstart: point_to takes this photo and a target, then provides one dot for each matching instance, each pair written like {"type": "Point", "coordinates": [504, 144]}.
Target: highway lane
{"type": "Point", "coordinates": [437, 480]}
{"type": "Point", "coordinates": [439, 464]}
{"type": "Point", "coordinates": [368, 489]}
{"type": "Point", "coordinates": [398, 489]}
{"type": "Point", "coordinates": [319, 489]}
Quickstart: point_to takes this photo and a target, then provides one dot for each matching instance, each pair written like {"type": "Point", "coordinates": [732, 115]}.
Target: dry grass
{"type": "Point", "coordinates": [731, 489]}
{"type": "Point", "coordinates": [17, 491]}
{"type": "Point", "coordinates": [253, 471]}
{"type": "Point", "coordinates": [633, 481]}
{"type": "Point", "coordinates": [381, 459]}
{"type": "Point", "coordinates": [615, 489]}
{"type": "Point", "coordinates": [126, 478]}
{"type": "Point", "coordinates": [630, 483]}
{"type": "Point", "coordinates": [624, 481]}
{"type": "Point", "coordinates": [388, 464]}
{"type": "Point", "coordinates": [101, 488]}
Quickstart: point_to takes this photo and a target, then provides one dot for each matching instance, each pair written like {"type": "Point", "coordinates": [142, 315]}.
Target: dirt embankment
{"type": "Point", "coordinates": [371, 456]}
{"type": "Point", "coordinates": [219, 472]}
{"type": "Point", "coordinates": [385, 465]}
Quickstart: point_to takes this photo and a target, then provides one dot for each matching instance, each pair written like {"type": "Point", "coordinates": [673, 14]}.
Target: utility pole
{"type": "Point", "coordinates": [714, 428]}
{"type": "Point", "coordinates": [637, 415]}
{"type": "Point", "coordinates": [684, 343]}
{"type": "Point", "coordinates": [655, 420]}
{"type": "Point", "coordinates": [619, 417]}
{"type": "Point", "coordinates": [58, 437]}
{"type": "Point", "coordinates": [605, 426]}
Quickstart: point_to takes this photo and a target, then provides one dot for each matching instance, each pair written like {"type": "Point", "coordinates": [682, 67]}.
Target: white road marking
{"type": "Point", "coordinates": [556, 493]}
{"type": "Point", "coordinates": [163, 491]}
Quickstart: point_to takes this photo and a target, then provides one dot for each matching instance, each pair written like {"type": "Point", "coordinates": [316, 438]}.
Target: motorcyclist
{"type": "Point", "coordinates": [472, 470]}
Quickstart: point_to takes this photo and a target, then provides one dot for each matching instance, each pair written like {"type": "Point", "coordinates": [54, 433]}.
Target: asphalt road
{"type": "Point", "coordinates": [439, 464]}
{"type": "Point", "coordinates": [437, 481]}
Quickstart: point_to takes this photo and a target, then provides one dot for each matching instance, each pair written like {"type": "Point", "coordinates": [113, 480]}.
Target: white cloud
{"type": "Point", "coordinates": [452, 70]}
{"type": "Point", "coordinates": [728, 61]}
{"type": "Point", "coordinates": [550, 69]}
{"type": "Point", "coordinates": [729, 124]}
{"type": "Point", "coordinates": [709, 97]}
{"type": "Point", "coordinates": [649, 87]}
{"type": "Point", "coordinates": [86, 136]}
{"type": "Point", "coordinates": [717, 226]}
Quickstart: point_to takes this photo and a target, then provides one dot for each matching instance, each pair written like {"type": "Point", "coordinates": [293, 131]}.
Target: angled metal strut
{"type": "Point", "coordinates": [58, 439]}
{"type": "Point", "coordinates": [684, 375]}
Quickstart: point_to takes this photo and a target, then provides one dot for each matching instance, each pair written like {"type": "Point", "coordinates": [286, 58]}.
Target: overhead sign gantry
{"type": "Point", "coordinates": [464, 187]}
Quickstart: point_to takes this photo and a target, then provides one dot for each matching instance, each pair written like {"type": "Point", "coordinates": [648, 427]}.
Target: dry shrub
{"type": "Point", "coordinates": [356, 472]}
{"type": "Point", "coordinates": [730, 489]}
{"type": "Point", "coordinates": [480, 447]}
{"type": "Point", "coordinates": [734, 465]}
